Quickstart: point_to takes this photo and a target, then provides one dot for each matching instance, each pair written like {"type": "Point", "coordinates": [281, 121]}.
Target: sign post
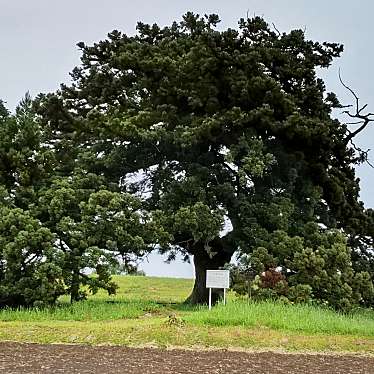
{"type": "Point", "coordinates": [217, 279]}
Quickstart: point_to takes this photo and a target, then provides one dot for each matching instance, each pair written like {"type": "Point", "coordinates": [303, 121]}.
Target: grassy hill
{"type": "Point", "coordinates": [148, 311]}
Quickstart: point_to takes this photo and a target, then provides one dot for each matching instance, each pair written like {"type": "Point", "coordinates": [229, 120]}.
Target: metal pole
{"type": "Point", "coordinates": [224, 296]}
{"type": "Point", "coordinates": [210, 298]}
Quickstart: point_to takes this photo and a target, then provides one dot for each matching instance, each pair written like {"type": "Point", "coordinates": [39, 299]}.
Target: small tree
{"type": "Point", "coordinates": [30, 271]}
{"type": "Point", "coordinates": [93, 226]}
{"type": "Point", "coordinates": [29, 261]}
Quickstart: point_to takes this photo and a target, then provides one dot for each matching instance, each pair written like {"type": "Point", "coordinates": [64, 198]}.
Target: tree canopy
{"type": "Point", "coordinates": [210, 142]}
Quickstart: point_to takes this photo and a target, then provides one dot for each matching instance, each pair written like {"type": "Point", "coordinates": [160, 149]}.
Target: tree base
{"type": "Point", "coordinates": [202, 262]}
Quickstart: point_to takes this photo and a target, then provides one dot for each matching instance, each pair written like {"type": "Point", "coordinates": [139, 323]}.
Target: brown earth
{"type": "Point", "coordinates": [38, 358]}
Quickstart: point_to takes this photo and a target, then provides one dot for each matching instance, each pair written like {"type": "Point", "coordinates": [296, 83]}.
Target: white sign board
{"type": "Point", "coordinates": [217, 279]}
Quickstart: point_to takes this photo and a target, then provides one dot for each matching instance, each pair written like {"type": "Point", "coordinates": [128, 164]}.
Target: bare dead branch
{"type": "Point", "coordinates": [350, 90]}
{"type": "Point", "coordinates": [360, 118]}
{"type": "Point", "coordinates": [360, 110]}
{"type": "Point", "coordinates": [363, 154]}
{"type": "Point", "coordinates": [354, 133]}
{"type": "Point", "coordinates": [275, 28]}
{"type": "Point", "coordinates": [353, 123]}
{"type": "Point", "coordinates": [363, 119]}
{"type": "Point", "coordinates": [346, 106]}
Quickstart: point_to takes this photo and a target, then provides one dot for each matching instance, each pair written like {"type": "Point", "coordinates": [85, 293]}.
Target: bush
{"type": "Point", "coordinates": [315, 267]}
{"type": "Point", "coordinates": [30, 274]}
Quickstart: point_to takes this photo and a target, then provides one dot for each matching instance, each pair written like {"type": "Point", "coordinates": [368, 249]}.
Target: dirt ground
{"type": "Point", "coordinates": [37, 358]}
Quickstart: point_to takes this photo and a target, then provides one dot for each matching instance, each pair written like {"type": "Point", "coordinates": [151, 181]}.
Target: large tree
{"type": "Point", "coordinates": [226, 135]}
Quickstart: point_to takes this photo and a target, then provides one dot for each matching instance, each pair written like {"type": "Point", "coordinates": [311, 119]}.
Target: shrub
{"type": "Point", "coordinates": [29, 262]}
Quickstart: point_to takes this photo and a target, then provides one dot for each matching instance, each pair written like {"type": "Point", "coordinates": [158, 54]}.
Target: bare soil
{"type": "Point", "coordinates": [39, 358]}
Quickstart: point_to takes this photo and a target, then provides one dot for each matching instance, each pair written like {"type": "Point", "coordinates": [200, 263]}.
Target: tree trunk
{"type": "Point", "coordinates": [203, 262]}
{"type": "Point", "coordinates": [74, 289]}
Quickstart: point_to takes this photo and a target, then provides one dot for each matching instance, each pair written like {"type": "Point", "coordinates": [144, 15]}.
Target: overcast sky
{"type": "Point", "coordinates": [38, 48]}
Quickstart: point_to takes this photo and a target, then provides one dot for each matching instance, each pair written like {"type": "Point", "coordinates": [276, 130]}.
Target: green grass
{"type": "Point", "coordinates": [137, 296]}
{"type": "Point", "coordinates": [139, 315]}
{"type": "Point", "coordinates": [172, 290]}
{"type": "Point", "coordinates": [305, 319]}
{"type": "Point", "coordinates": [90, 310]}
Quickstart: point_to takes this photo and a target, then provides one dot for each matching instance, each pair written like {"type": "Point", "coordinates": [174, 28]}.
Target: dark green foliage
{"type": "Point", "coordinates": [202, 142]}
{"type": "Point", "coordinates": [93, 225]}
{"type": "Point", "coordinates": [61, 207]}
{"type": "Point", "coordinates": [29, 262]}
{"type": "Point", "coordinates": [30, 272]}
{"type": "Point", "coordinates": [221, 127]}
{"type": "Point", "coordinates": [24, 161]}
{"type": "Point", "coordinates": [317, 266]}
{"type": "Point", "coordinates": [58, 226]}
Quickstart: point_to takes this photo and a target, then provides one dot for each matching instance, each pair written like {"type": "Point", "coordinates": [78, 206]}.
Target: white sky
{"type": "Point", "coordinates": [38, 48]}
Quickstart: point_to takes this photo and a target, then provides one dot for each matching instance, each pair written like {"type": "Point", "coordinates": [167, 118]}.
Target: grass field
{"type": "Point", "coordinates": [149, 312]}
